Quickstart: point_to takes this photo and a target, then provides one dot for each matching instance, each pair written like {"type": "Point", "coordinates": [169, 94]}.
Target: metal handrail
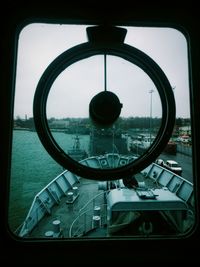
{"type": "Point", "coordinates": [92, 199]}
{"type": "Point", "coordinates": [82, 213]}
{"type": "Point", "coordinates": [84, 227]}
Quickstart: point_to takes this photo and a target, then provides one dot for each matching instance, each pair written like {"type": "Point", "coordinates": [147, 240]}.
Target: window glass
{"type": "Point", "coordinates": [85, 208]}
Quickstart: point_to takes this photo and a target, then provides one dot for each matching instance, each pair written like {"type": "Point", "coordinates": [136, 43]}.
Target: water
{"type": "Point", "coordinates": [32, 168]}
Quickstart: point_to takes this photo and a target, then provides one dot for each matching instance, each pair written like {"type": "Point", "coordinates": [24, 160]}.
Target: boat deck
{"type": "Point", "coordinates": [71, 206]}
{"type": "Point", "coordinates": [66, 212]}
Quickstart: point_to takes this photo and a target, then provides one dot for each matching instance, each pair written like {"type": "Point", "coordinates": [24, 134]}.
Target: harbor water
{"type": "Point", "coordinates": [32, 168]}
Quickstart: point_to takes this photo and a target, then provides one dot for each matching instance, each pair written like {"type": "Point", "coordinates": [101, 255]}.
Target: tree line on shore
{"type": "Point", "coordinates": [85, 123]}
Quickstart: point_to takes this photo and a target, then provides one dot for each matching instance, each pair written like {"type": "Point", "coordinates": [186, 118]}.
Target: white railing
{"type": "Point", "coordinates": [83, 223]}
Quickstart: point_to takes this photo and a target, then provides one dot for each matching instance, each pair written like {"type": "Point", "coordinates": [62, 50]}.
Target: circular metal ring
{"type": "Point", "coordinates": [130, 54]}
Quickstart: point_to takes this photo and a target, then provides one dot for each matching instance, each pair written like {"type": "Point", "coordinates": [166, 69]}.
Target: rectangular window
{"type": "Point", "coordinates": [47, 201]}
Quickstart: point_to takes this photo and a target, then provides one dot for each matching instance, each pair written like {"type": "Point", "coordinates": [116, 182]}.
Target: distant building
{"type": "Point", "coordinates": [185, 130]}
{"type": "Point", "coordinates": [59, 124]}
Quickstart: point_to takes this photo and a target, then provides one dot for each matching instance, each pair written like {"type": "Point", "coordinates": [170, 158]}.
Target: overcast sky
{"type": "Point", "coordinates": [40, 44]}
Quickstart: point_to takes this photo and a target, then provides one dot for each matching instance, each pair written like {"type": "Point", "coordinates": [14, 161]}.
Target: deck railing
{"type": "Point", "coordinates": [85, 220]}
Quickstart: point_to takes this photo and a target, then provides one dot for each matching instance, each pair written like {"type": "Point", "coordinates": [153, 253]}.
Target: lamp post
{"type": "Point", "coordinates": [150, 121]}
{"type": "Point", "coordinates": [174, 131]}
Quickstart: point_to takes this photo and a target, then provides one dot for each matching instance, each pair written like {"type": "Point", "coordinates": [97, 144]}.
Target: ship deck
{"type": "Point", "coordinates": [66, 212]}
{"type": "Point", "coordinates": [74, 207]}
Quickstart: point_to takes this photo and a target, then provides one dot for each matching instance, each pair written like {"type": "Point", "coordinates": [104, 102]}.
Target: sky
{"type": "Point", "coordinates": [39, 44]}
